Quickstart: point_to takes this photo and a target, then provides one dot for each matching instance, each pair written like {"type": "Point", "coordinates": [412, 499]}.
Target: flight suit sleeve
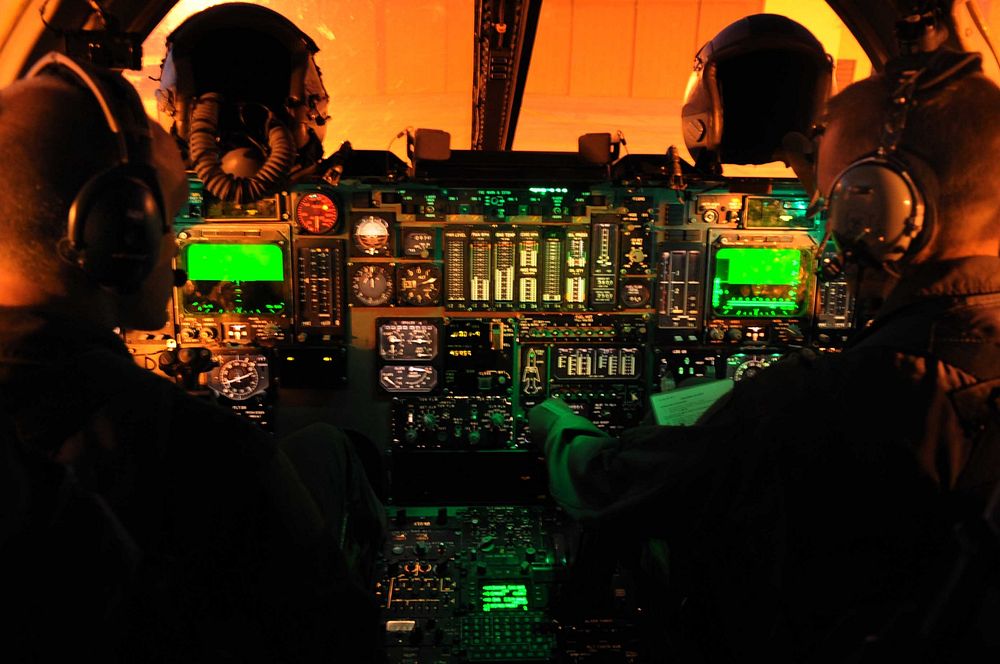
{"type": "Point", "coordinates": [595, 476]}
{"type": "Point", "coordinates": [569, 443]}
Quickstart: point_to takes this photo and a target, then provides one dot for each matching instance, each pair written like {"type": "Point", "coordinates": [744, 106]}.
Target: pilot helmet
{"type": "Point", "coordinates": [246, 77]}
{"type": "Point", "coordinates": [760, 78]}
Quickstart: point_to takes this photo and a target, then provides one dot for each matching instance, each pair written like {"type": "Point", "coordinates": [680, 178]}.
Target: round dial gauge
{"type": "Point", "coordinates": [316, 213]}
{"type": "Point", "coordinates": [635, 294]}
{"type": "Point", "coordinates": [419, 285]}
{"type": "Point", "coordinates": [749, 369]}
{"type": "Point", "coordinates": [372, 285]}
{"type": "Point", "coordinates": [238, 379]}
{"type": "Point", "coordinates": [371, 235]}
{"type": "Point", "coordinates": [747, 366]}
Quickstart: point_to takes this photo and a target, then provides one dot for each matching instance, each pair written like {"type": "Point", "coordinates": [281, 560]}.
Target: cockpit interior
{"type": "Point", "coordinates": [415, 221]}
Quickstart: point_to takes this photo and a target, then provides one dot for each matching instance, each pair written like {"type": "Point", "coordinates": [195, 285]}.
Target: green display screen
{"type": "Point", "coordinates": [235, 262]}
{"type": "Point", "coordinates": [759, 282]}
{"type": "Point", "coordinates": [505, 597]}
{"type": "Point", "coordinates": [777, 213]}
{"type": "Point", "coordinates": [234, 278]}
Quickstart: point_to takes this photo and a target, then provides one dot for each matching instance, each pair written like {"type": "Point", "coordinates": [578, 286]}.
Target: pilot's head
{"type": "Point", "coordinates": [86, 216]}
{"type": "Point", "coordinates": [946, 154]}
{"type": "Point", "coordinates": [761, 78]}
{"type": "Point", "coordinates": [238, 77]}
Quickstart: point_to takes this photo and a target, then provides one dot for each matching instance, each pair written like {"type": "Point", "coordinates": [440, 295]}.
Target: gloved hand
{"type": "Point", "coordinates": [543, 417]}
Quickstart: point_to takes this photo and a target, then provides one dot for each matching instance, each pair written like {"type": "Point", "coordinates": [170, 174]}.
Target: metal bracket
{"type": "Point", "coordinates": [505, 35]}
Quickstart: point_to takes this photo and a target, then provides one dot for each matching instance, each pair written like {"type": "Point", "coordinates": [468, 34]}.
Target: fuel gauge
{"type": "Point", "coordinates": [413, 379]}
{"type": "Point", "coordinates": [407, 340]}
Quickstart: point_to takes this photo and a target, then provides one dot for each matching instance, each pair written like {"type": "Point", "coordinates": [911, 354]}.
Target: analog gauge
{"type": "Point", "coordinates": [240, 377]}
{"type": "Point", "coordinates": [636, 255]}
{"type": "Point", "coordinates": [371, 236]}
{"type": "Point", "coordinates": [371, 285]}
{"type": "Point", "coordinates": [749, 369]}
{"type": "Point", "coordinates": [741, 366]}
{"type": "Point", "coordinates": [408, 340]}
{"type": "Point", "coordinates": [635, 294]}
{"type": "Point", "coordinates": [419, 284]}
{"type": "Point", "coordinates": [316, 213]}
{"type": "Point", "coordinates": [398, 378]}
{"type": "Point", "coordinates": [418, 243]}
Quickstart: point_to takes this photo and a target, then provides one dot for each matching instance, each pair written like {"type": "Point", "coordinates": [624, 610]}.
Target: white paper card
{"type": "Point", "coordinates": [682, 406]}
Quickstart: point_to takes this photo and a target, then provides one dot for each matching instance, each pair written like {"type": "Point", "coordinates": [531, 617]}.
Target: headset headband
{"type": "Point", "coordinates": [116, 219]}
{"type": "Point", "coordinates": [123, 112]}
{"type": "Point", "coordinates": [914, 75]}
{"type": "Point", "coordinates": [119, 102]}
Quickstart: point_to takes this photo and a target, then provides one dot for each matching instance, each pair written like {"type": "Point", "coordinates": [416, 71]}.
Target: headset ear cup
{"type": "Point", "coordinates": [928, 191]}
{"type": "Point", "coordinates": [115, 226]}
{"type": "Point", "coordinates": [876, 209]}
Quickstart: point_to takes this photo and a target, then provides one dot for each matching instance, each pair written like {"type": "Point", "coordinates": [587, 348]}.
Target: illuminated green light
{"type": "Point", "coordinates": [235, 262]}
{"type": "Point", "coordinates": [758, 266]}
{"type": "Point", "coordinates": [766, 304]}
{"type": "Point", "coordinates": [548, 190]}
{"type": "Point", "coordinates": [505, 597]}
{"type": "Point", "coordinates": [759, 282]}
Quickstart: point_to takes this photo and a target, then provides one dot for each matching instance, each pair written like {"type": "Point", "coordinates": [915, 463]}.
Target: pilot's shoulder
{"type": "Point", "coordinates": [191, 417]}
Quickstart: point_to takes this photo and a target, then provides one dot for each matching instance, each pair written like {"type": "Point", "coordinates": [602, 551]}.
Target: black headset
{"type": "Point", "coordinates": [116, 221]}
{"type": "Point", "coordinates": [883, 206]}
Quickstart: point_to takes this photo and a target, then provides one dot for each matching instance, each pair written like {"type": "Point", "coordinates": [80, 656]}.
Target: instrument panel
{"type": "Point", "coordinates": [431, 317]}
{"type": "Point", "coordinates": [496, 297]}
